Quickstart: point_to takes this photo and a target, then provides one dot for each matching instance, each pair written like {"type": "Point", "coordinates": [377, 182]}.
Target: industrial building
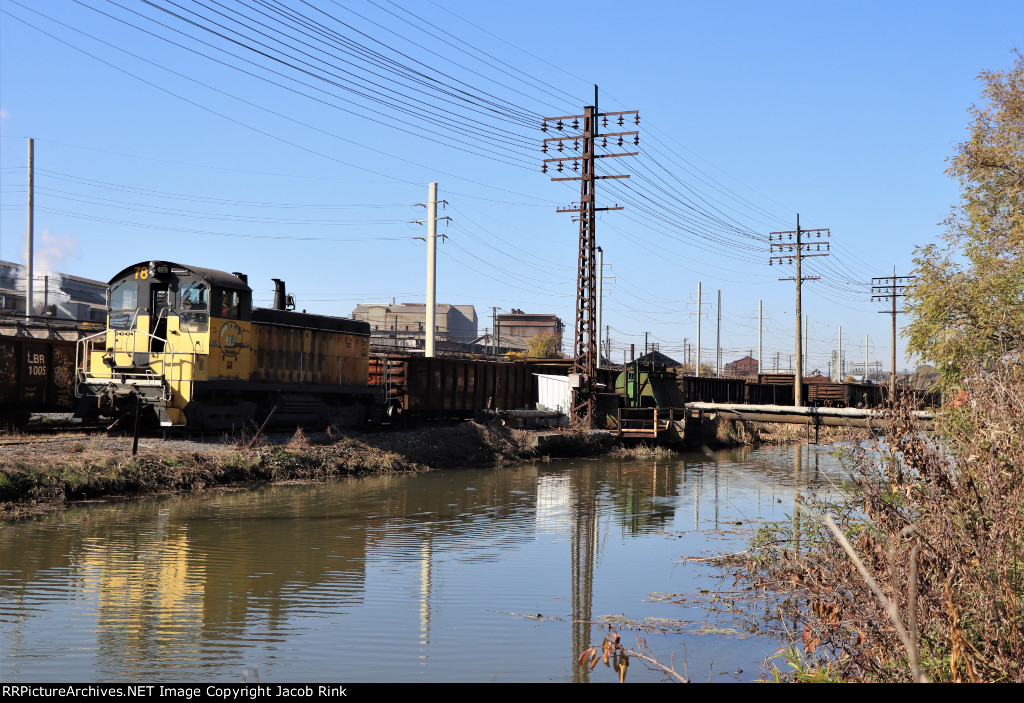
{"type": "Point", "coordinates": [403, 325]}
{"type": "Point", "coordinates": [742, 368]}
{"type": "Point", "coordinates": [57, 295]}
{"type": "Point", "coordinates": [527, 326]}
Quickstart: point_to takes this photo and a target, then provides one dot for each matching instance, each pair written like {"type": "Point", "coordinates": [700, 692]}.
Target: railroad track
{"type": "Point", "coordinates": [48, 433]}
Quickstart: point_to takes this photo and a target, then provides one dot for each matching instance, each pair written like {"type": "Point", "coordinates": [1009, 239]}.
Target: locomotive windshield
{"type": "Point", "coordinates": [124, 304]}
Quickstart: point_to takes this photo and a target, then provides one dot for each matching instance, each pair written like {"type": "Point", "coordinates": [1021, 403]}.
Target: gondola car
{"type": "Point", "coordinates": [184, 347]}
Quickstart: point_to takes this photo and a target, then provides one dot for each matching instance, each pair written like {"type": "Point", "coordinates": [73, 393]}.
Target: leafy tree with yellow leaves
{"type": "Point", "coordinates": [967, 303]}
{"type": "Point", "coordinates": [544, 346]}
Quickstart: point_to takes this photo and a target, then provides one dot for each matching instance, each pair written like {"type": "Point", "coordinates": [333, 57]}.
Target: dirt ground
{"type": "Point", "coordinates": [42, 473]}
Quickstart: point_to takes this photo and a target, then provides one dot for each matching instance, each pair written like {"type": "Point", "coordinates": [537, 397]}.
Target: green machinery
{"type": "Point", "coordinates": [647, 385]}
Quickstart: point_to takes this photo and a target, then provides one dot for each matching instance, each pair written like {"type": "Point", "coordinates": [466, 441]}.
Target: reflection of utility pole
{"type": "Point", "coordinates": [584, 556]}
{"type": "Point", "coordinates": [426, 581]}
{"type": "Point", "coordinates": [890, 288]}
{"type": "Point", "coordinates": [796, 250]}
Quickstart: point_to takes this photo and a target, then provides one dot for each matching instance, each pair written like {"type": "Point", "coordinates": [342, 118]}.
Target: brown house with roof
{"type": "Point", "coordinates": [742, 368]}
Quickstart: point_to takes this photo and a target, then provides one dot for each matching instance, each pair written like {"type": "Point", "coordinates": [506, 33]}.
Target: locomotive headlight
{"type": "Point", "coordinates": [158, 270]}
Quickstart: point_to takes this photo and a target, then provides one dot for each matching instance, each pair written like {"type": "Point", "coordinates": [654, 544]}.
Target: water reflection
{"type": "Point", "coordinates": [459, 576]}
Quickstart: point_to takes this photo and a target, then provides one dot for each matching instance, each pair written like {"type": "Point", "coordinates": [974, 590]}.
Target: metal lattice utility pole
{"type": "Point", "coordinates": [797, 250]}
{"type": "Point", "coordinates": [582, 145]}
{"type": "Point", "coordinates": [890, 288]}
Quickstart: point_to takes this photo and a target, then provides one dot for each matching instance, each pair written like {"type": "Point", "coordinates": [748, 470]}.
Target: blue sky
{"type": "Point", "coordinates": [750, 113]}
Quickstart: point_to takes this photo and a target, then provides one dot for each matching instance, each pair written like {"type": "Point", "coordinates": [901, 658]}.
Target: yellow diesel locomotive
{"type": "Point", "coordinates": [184, 347]}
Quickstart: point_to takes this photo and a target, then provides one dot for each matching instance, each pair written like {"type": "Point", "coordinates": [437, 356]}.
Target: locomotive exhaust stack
{"type": "Point", "coordinates": [282, 301]}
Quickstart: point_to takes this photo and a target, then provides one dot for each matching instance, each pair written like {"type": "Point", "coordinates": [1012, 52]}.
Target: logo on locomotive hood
{"type": "Point", "coordinates": [230, 338]}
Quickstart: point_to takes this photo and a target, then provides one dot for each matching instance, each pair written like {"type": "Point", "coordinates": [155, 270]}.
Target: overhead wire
{"type": "Point", "coordinates": [661, 200]}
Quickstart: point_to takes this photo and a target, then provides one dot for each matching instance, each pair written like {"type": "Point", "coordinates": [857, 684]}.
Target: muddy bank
{"type": "Point", "coordinates": [40, 474]}
{"type": "Point", "coordinates": [43, 474]}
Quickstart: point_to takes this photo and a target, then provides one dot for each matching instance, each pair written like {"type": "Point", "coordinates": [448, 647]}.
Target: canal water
{"type": "Point", "coordinates": [460, 576]}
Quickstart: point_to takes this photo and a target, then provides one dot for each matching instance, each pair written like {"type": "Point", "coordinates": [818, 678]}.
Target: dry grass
{"type": "Point", "coordinates": [743, 433]}
{"type": "Point", "coordinates": [643, 451]}
{"type": "Point", "coordinates": [919, 574]}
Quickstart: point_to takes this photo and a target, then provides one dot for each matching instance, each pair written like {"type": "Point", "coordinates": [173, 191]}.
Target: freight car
{"type": "Point", "coordinates": [421, 387]}
{"type": "Point", "coordinates": [37, 363]}
{"type": "Point", "coordinates": [184, 347]}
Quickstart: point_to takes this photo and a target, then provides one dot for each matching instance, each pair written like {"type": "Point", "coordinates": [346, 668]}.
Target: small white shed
{"type": "Point", "coordinates": [554, 393]}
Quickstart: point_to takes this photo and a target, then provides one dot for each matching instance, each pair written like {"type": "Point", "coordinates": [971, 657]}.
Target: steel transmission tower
{"type": "Point", "coordinates": [578, 148]}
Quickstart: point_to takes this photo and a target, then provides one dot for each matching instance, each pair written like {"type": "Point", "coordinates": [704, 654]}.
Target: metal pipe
{"type": "Point", "coordinates": [803, 411]}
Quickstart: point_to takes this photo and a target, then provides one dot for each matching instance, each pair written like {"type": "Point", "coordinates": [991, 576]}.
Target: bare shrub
{"type": "Point", "coordinates": [935, 524]}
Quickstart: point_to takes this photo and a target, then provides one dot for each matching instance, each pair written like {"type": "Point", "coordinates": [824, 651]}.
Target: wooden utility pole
{"type": "Point", "coordinates": [582, 144]}
{"type": "Point", "coordinates": [890, 288]}
{"type": "Point", "coordinates": [797, 250]}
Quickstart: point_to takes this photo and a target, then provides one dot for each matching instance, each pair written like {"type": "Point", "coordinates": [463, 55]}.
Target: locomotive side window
{"type": "Point", "coordinates": [231, 304]}
{"type": "Point", "coordinates": [124, 304]}
{"type": "Point", "coordinates": [195, 307]}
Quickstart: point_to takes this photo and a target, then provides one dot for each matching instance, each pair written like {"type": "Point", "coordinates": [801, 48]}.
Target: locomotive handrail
{"type": "Point", "coordinates": [85, 344]}
{"type": "Point", "coordinates": [165, 379]}
{"type": "Point", "coordinates": [135, 318]}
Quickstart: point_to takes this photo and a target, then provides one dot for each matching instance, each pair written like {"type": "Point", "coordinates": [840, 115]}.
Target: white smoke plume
{"type": "Point", "coordinates": [51, 253]}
